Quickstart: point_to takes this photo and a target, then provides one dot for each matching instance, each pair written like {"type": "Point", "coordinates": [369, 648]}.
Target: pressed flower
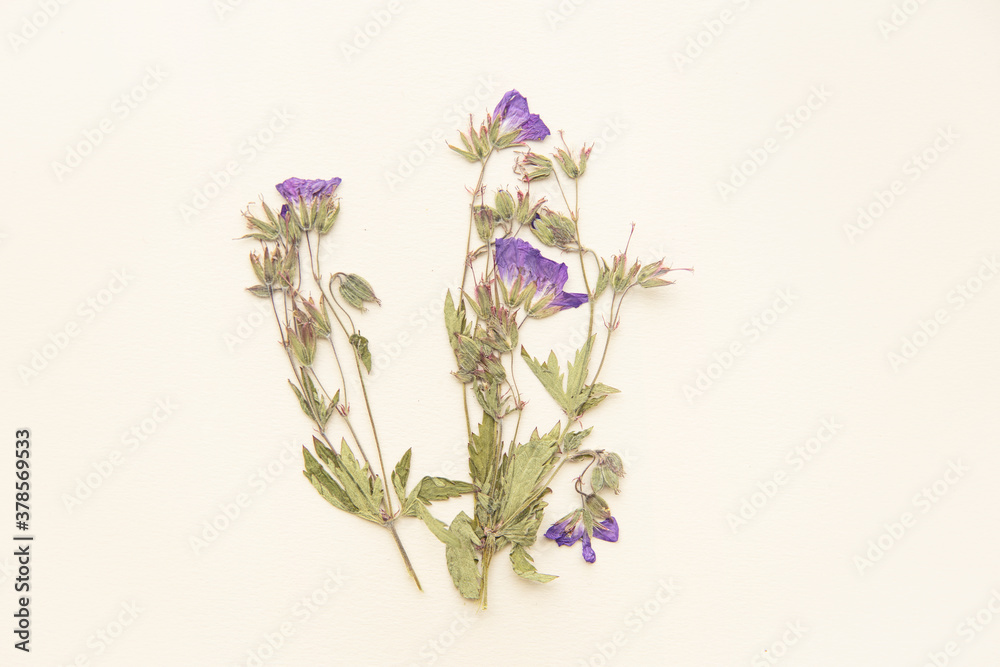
{"type": "Point", "coordinates": [520, 266]}
{"type": "Point", "coordinates": [296, 189]}
{"type": "Point", "coordinates": [570, 529]}
{"type": "Point", "coordinates": [513, 114]}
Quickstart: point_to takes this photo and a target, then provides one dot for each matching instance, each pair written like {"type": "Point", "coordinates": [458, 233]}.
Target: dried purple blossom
{"type": "Point", "coordinates": [570, 529]}
{"type": "Point", "coordinates": [513, 114]}
{"type": "Point", "coordinates": [294, 189]}
{"type": "Point", "coordinates": [518, 263]}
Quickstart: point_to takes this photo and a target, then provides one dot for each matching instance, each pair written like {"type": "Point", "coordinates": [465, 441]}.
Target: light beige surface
{"type": "Point", "coordinates": [814, 306]}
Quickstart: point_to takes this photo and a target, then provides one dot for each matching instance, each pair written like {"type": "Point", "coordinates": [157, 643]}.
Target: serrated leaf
{"type": "Point", "coordinates": [482, 451]}
{"type": "Point", "coordinates": [461, 557]}
{"type": "Point", "coordinates": [549, 375]}
{"type": "Point", "coordinates": [401, 474]}
{"type": "Point", "coordinates": [358, 484]}
{"type": "Point", "coordinates": [524, 566]}
{"type": "Point", "coordinates": [573, 439]}
{"type": "Point", "coordinates": [524, 531]}
{"type": "Point", "coordinates": [325, 485]}
{"type": "Point", "coordinates": [576, 373]}
{"type": "Point", "coordinates": [594, 394]}
{"type": "Point", "coordinates": [524, 469]}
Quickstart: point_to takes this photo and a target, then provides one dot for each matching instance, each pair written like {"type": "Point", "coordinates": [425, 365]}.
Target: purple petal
{"type": "Point", "coordinates": [566, 300]}
{"type": "Point", "coordinates": [588, 551]}
{"type": "Point", "coordinates": [557, 530]}
{"type": "Point", "coordinates": [607, 530]}
{"type": "Point", "coordinates": [294, 189]}
{"type": "Point", "coordinates": [512, 110]}
{"type": "Point", "coordinates": [533, 129]}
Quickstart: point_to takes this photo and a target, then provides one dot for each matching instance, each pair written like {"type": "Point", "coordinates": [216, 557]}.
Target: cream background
{"type": "Point", "coordinates": [589, 68]}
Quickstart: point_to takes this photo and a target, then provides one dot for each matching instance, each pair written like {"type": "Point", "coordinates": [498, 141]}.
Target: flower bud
{"type": "Point", "coordinates": [356, 290]}
{"type": "Point", "coordinates": [485, 225]}
{"type": "Point", "coordinates": [534, 167]}
{"type": "Point", "coordinates": [526, 212]}
{"type": "Point", "coordinates": [554, 229]}
{"type": "Point", "coordinates": [327, 215]}
{"type": "Point", "coordinates": [504, 203]}
{"type": "Point", "coordinates": [319, 315]}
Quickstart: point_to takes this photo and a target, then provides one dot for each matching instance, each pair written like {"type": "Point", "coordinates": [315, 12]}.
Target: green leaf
{"type": "Point", "coordinates": [482, 451]}
{"type": "Point", "coordinates": [360, 344]}
{"type": "Point", "coordinates": [524, 468]}
{"type": "Point", "coordinates": [460, 550]}
{"type": "Point", "coordinates": [401, 474]}
{"type": "Point", "coordinates": [325, 485]}
{"type": "Point", "coordinates": [263, 291]}
{"type": "Point", "coordinates": [358, 484]}
{"type": "Point", "coordinates": [303, 403]}
{"type": "Point", "coordinates": [573, 439]}
{"type": "Point", "coordinates": [461, 557]}
{"type": "Point", "coordinates": [551, 378]}
{"type": "Point", "coordinates": [577, 370]}
{"type": "Point", "coordinates": [594, 394]}
{"type": "Point", "coordinates": [524, 566]}
{"type": "Point", "coordinates": [431, 489]}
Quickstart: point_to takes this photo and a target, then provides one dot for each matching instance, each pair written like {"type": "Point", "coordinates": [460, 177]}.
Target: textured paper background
{"type": "Point", "coordinates": [668, 132]}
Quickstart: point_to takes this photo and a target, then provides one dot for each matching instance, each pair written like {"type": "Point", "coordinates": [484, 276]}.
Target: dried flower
{"type": "Point", "coordinates": [570, 529]}
{"type": "Point", "coordinates": [513, 116]}
{"type": "Point", "coordinates": [519, 266]}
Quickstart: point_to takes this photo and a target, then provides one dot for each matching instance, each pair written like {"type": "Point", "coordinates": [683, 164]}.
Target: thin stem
{"type": "Point", "coordinates": [402, 552]}
{"type": "Point", "coordinates": [472, 213]}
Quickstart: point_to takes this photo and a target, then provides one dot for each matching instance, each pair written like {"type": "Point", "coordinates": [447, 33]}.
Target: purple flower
{"type": "Point", "coordinates": [294, 189]}
{"type": "Point", "coordinates": [513, 114]}
{"type": "Point", "coordinates": [570, 529]}
{"type": "Point", "coordinates": [519, 265]}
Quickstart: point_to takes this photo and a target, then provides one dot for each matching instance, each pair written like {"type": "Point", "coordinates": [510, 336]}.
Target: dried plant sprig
{"type": "Point", "coordinates": [305, 326]}
{"type": "Point", "coordinates": [515, 283]}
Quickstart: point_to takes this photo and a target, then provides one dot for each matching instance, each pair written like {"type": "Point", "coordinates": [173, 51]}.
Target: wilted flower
{"type": "Point", "coordinates": [513, 115]}
{"type": "Point", "coordinates": [295, 189]}
{"type": "Point", "coordinates": [520, 266]}
{"type": "Point", "coordinates": [570, 529]}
